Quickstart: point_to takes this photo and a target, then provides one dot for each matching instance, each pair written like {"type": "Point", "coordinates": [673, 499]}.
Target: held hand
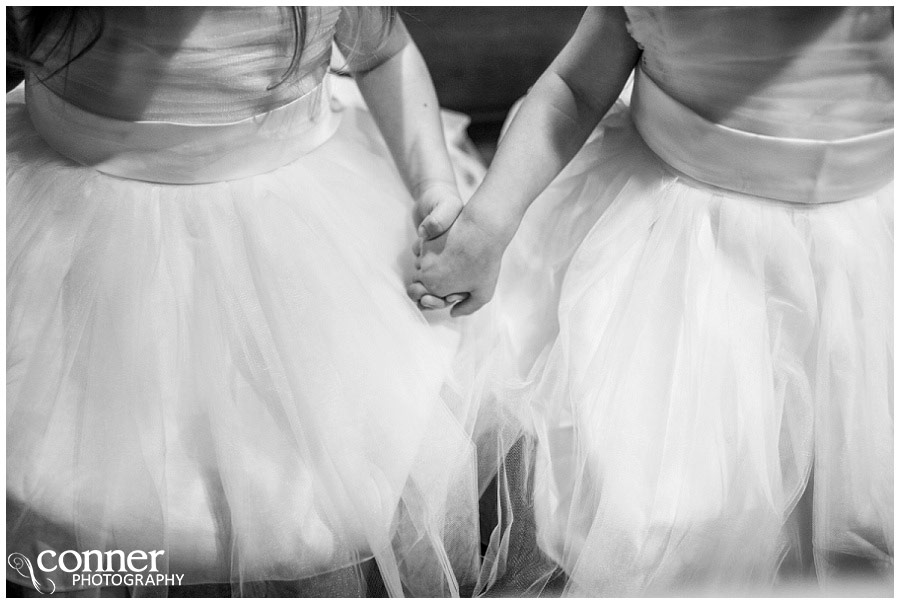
{"type": "Point", "coordinates": [429, 302]}
{"type": "Point", "coordinates": [465, 259]}
{"type": "Point", "coordinates": [437, 207]}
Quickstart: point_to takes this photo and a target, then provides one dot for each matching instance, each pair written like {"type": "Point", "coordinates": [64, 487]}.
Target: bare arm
{"type": "Point", "coordinates": [558, 115]}
{"type": "Point", "coordinates": [395, 83]}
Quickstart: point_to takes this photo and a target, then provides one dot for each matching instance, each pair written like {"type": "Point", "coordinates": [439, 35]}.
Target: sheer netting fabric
{"type": "Point", "coordinates": [210, 351]}
{"type": "Point", "coordinates": [688, 386]}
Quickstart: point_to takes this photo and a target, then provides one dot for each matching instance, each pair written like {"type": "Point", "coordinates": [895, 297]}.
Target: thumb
{"type": "Point", "coordinates": [468, 306]}
{"type": "Point", "coordinates": [440, 219]}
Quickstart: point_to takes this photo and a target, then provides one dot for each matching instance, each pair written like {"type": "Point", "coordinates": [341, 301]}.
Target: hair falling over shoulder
{"type": "Point", "coordinates": [37, 33]}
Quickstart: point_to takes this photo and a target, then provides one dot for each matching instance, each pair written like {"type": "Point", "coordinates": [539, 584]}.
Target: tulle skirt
{"type": "Point", "coordinates": [231, 373]}
{"type": "Point", "coordinates": [672, 366]}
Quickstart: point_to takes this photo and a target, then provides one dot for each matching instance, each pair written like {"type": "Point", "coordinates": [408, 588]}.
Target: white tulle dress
{"type": "Point", "coordinates": [693, 326]}
{"type": "Point", "coordinates": [210, 350]}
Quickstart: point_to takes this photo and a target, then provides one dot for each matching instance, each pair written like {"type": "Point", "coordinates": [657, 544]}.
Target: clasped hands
{"type": "Point", "coordinates": [458, 253]}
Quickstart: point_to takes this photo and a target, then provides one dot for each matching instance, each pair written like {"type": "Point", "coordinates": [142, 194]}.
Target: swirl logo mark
{"type": "Point", "coordinates": [19, 562]}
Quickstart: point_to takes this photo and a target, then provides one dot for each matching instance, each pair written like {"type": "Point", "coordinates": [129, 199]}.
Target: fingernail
{"type": "Point", "coordinates": [454, 298]}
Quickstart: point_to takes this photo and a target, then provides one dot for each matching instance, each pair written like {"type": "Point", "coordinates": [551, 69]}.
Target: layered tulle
{"type": "Point", "coordinates": [672, 365]}
{"type": "Point", "coordinates": [232, 373]}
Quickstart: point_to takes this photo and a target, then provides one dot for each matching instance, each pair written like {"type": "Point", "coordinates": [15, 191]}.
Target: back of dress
{"type": "Point", "coordinates": [822, 73]}
{"type": "Point", "coordinates": [192, 64]}
{"type": "Point", "coordinates": [806, 95]}
{"type": "Point", "coordinates": [190, 95]}
{"type": "Point", "coordinates": [178, 95]}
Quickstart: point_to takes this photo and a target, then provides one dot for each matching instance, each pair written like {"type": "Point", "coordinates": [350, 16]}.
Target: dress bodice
{"type": "Point", "coordinates": [198, 94]}
{"type": "Point", "coordinates": [821, 73]}
{"type": "Point", "coordinates": [193, 64]}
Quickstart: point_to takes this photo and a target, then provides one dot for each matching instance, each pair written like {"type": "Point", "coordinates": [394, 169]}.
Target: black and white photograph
{"type": "Point", "coordinates": [450, 301]}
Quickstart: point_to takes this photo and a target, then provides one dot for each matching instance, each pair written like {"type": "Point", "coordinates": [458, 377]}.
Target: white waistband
{"type": "Point", "coordinates": [788, 169]}
{"type": "Point", "coordinates": [169, 152]}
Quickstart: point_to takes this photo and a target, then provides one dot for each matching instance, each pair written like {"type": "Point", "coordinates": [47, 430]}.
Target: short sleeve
{"type": "Point", "coordinates": [367, 36]}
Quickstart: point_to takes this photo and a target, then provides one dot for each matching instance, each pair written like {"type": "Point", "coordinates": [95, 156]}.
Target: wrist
{"type": "Point", "coordinates": [498, 225]}
{"type": "Point", "coordinates": [495, 204]}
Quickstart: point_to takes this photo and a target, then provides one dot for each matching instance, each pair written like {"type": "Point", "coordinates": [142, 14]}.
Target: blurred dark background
{"type": "Point", "coordinates": [482, 59]}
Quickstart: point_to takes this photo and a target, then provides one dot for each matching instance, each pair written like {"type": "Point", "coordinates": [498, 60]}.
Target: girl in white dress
{"type": "Point", "coordinates": [210, 352]}
{"type": "Point", "coordinates": [692, 325]}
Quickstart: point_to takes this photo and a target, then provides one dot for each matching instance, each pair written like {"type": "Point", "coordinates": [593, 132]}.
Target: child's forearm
{"type": "Point", "coordinates": [401, 98]}
{"type": "Point", "coordinates": [549, 129]}
{"type": "Point", "coordinates": [556, 118]}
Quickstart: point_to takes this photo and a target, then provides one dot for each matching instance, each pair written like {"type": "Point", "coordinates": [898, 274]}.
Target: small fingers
{"type": "Point", "coordinates": [454, 298]}
{"type": "Point", "coordinates": [429, 302]}
{"type": "Point", "coordinates": [419, 294]}
{"type": "Point", "coordinates": [430, 228]}
{"type": "Point", "coordinates": [468, 306]}
{"type": "Point", "coordinates": [440, 219]}
{"type": "Point", "coordinates": [415, 291]}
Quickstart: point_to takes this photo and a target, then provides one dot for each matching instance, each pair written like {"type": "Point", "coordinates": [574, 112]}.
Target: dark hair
{"type": "Point", "coordinates": [41, 22]}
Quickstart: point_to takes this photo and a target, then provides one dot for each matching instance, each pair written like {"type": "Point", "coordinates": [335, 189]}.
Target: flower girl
{"type": "Point", "coordinates": [692, 325]}
{"type": "Point", "coordinates": [210, 352]}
